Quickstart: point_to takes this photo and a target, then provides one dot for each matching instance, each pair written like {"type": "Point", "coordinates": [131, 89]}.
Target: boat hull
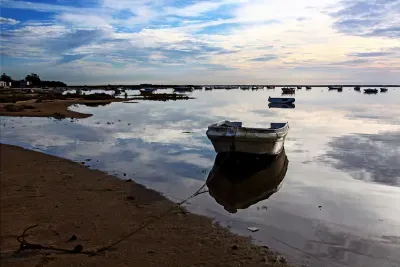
{"type": "Point", "coordinates": [248, 140]}
{"type": "Point", "coordinates": [280, 100]}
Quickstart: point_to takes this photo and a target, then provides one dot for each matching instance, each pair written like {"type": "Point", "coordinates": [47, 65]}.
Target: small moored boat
{"type": "Point", "coordinates": [335, 87]}
{"type": "Point", "coordinates": [299, 87]}
{"type": "Point", "coordinates": [147, 91]}
{"type": "Point", "coordinates": [270, 87]}
{"type": "Point", "coordinates": [281, 100]}
{"type": "Point", "coordinates": [357, 88]}
{"type": "Point", "coordinates": [208, 88]}
{"type": "Point", "coordinates": [370, 91]}
{"type": "Point", "coordinates": [229, 136]}
{"type": "Point", "coordinates": [308, 87]}
{"type": "Point", "coordinates": [384, 90]}
{"type": "Point", "coordinates": [288, 90]}
{"type": "Point", "coordinates": [181, 89]}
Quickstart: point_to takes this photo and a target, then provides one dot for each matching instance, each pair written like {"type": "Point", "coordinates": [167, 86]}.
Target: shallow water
{"type": "Point", "coordinates": [338, 204]}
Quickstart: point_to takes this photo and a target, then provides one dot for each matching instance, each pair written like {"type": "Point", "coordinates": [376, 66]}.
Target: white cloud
{"type": "Point", "coordinates": [8, 21]}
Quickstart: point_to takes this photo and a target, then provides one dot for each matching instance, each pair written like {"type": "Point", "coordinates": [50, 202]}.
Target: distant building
{"type": "Point", "coordinates": [23, 84]}
{"type": "Point", "coordinates": [5, 84]}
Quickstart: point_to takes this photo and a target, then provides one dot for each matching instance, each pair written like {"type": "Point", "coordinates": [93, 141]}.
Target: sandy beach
{"type": "Point", "coordinates": [67, 199]}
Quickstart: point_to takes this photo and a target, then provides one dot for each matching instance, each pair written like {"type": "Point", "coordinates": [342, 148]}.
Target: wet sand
{"type": "Point", "coordinates": [54, 108]}
{"type": "Point", "coordinates": [66, 198]}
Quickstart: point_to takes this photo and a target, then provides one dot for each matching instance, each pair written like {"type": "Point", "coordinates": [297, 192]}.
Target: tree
{"type": "Point", "coordinates": [33, 79]}
{"type": "Point", "coordinates": [6, 78]}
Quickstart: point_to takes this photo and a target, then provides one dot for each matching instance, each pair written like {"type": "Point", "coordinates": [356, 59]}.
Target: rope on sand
{"type": "Point", "coordinates": [78, 249]}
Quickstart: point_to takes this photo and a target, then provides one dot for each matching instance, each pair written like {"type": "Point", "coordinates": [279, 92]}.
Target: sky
{"type": "Point", "coordinates": [202, 41]}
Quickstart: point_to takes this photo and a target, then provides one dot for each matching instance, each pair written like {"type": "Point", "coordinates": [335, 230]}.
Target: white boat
{"type": "Point", "coordinates": [229, 136]}
{"type": "Point", "coordinates": [147, 91]}
{"type": "Point", "coordinates": [281, 100]}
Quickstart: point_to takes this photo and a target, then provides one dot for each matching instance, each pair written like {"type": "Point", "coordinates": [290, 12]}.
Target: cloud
{"type": "Point", "coordinates": [265, 58]}
{"type": "Point", "coordinates": [70, 58]}
{"type": "Point", "coordinates": [8, 21]}
{"type": "Point", "coordinates": [368, 18]}
{"type": "Point", "coordinates": [371, 54]}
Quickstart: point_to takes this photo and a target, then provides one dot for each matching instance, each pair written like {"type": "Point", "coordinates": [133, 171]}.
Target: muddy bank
{"type": "Point", "coordinates": [26, 104]}
{"type": "Point", "coordinates": [74, 205]}
{"type": "Point", "coordinates": [52, 108]}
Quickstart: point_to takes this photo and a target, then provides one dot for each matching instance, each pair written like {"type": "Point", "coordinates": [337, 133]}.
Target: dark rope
{"type": "Point", "coordinates": [25, 245]}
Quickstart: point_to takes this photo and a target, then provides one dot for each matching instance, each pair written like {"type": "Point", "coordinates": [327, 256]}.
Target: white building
{"type": "Point", "coordinates": [5, 84]}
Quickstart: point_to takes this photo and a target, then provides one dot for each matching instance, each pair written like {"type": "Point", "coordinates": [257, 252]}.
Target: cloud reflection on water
{"type": "Point", "coordinates": [369, 157]}
{"type": "Point", "coordinates": [146, 142]}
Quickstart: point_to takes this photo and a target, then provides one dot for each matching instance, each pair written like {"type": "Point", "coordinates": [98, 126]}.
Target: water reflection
{"type": "Point", "coordinates": [276, 105]}
{"type": "Point", "coordinates": [354, 134]}
{"type": "Point", "coordinates": [368, 157]}
{"type": "Point", "coordinates": [239, 180]}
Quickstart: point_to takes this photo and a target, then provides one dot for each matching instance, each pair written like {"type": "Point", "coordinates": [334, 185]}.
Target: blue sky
{"type": "Point", "coordinates": [204, 42]}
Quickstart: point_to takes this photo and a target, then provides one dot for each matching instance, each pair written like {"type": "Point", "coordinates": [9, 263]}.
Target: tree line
{"type": "Point", "coordinates": [33, 79]}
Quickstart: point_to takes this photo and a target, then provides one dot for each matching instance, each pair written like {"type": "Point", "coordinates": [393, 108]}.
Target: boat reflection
{"type": "Point", "coordinates": [277, 105]}
{"type": "Point", "coordinates": [239, 180]}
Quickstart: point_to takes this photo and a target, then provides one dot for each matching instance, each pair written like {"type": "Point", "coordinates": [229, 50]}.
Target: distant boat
{"type": "Point", "coordinates": [147, 91]}
{"type": "Point", "coordinates": [383, 90]}
{"type": "Point", "coordinates": [335, 87]}
{"type": "Point", "coordinates": [357, 88]}
{"type": "Point", "coordinates": [240, 180]}
{"type": "Point", "coordinates": [229, 136]}
{"type": "Point", "coordinates": [270, 87]}
{"type": "Point", "coordinates": [276, 105]}
{"type": "Point", "coordinates": [198, 87]}
{"type": "Point", "coordinates": [281, 100]}
{"type": "Point", "coordinates": [370, 91]}
{"type": "Point", "coordinates": [180, 89]}
{"type": "Point", "coordinates": [308, 87]}
{"type": "Point", "coordinates": [299, 87]}
{"type": "Point", "coordinates": [288, 90]}
{"type": "Point", "coordinates": [254, 88]}
{"type": "Point", "coordinates": [208, 88]}
{"type": "Point", "coordinates": [244, 87]}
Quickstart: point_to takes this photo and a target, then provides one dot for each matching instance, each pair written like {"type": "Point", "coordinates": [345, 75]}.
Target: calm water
{"type": "Point", "coordinates": [338, 205]}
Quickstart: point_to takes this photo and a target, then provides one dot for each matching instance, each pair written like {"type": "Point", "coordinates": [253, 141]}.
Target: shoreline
{"type": "Point", "coordinates": [67, 198]}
